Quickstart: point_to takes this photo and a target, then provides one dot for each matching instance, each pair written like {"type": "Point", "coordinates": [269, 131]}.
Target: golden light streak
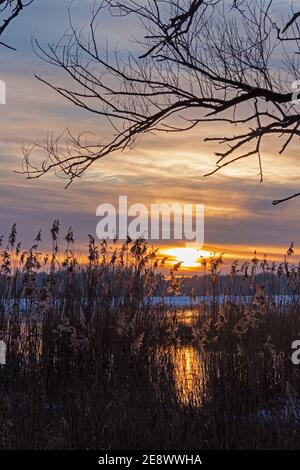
{"type": "Point", "coordinates": [189, 257]}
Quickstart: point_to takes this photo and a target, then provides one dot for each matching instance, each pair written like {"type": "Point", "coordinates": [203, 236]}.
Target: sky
{"type": "Point", "coordinates": [239, 216]}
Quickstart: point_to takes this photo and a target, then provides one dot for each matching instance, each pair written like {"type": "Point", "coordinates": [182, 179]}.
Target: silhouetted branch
{"type": "Point", "coordinates": [292, 20]}
{"type": "Point", "coordinates": [279, 201]}
{"type": "Point", "coordinates": [201, 62]}
{"type": "Point", "coordinates": [10, 9]}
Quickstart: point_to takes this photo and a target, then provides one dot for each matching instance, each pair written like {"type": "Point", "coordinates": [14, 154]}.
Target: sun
{"type": "Point", "coordinates": [189, 257]}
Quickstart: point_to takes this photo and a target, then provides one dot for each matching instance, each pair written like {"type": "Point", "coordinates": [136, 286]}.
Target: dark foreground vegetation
{"type": "Point", "coordinates": [92, 363]}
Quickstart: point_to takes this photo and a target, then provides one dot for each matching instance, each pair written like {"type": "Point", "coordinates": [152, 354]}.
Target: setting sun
{"type": "Point", "coordinates": [189, 257]}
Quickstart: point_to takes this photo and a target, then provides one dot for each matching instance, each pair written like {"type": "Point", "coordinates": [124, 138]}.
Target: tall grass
{"type": "Point", "coordinates": [93, 363]}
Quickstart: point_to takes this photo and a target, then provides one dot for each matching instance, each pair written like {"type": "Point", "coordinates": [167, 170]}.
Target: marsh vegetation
{"type": "Point", "coordinates": [93, 363]}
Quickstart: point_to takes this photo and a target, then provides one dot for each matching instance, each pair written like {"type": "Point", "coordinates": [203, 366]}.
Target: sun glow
{"type": "Point", "coordinates": [189, 257]}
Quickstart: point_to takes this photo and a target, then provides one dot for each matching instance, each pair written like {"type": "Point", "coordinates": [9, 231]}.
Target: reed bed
{"type": "Point", "coordinates": [93, 363]}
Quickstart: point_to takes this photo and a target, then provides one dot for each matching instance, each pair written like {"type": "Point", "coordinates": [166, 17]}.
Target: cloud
{"type": "Point", "coordinates": [163, 168]}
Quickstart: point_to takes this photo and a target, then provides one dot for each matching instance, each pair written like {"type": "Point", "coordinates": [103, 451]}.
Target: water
{"type": "Point", "coordinates": [185, 364]}
{"type": "Point", "coordinates": [188, 374]}
{"type": "Point", "coordinates": [187, 301]}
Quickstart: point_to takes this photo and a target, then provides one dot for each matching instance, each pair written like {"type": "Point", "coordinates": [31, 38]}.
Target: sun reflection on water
{"type": "Point", "coordinates": [181, 361]}
{"type": "Point", "coordinates": [188, 375]}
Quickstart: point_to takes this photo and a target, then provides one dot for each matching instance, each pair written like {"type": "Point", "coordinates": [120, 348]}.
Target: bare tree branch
{"type": "Point", "coordinates": [201, 61]}
{"type": "Point", "coordinates": [292, 20]}
{"type": "Point", "coordinates": [9, 10]}
{"type": "Point", "coordinates": [279, 201]}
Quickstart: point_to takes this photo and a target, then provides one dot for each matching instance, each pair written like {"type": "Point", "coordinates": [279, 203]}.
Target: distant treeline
{"type": "Point", "coordinates": [225, 285]}
{"type": "Point", "coordinates": [269, 283]}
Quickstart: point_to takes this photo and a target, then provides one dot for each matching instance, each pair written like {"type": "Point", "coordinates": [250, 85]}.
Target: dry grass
{"type": "Point", "coordinates": [93, 364]}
